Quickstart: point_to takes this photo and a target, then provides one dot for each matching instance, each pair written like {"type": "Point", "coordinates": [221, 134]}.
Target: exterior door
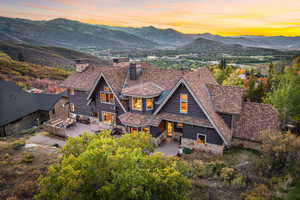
{"type": "Point", "coordinates": [170, 129]}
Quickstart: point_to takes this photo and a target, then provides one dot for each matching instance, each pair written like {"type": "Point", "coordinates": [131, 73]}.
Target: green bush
{"type": "Point", "coordinates": [208, 169]}
{"type": "Point", "coordinates": [17, 144]}
{"type": "Point", "coordinates": [259, 192]}
{"type": "Point", "coordinates": [103, 167]}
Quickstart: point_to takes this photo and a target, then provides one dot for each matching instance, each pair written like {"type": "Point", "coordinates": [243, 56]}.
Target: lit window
{"type": "Point", "coordinates": [107, 117]}
{"type": "Point", "coordinates": [133, 130]}
{"type": "Point", "coordinates": [183, 103]}
{"type": "Point", "coordinates": [71, 91]}
{"type": "Point", "coordinates": [72, 107]}
{"type": "Point", "coordinates": [201, 139]}
{"type": "Point", "coordinates": [149, 104]}
{"type": "Point", "coordinates": [106, 89]}
{"type": "Point", "coordinates": [179, 125]}
{"type": "Point", "coordinates": [146, 130]}
{"type": "Point", "coordinates": [137, 103]}
{"type": "Point", "coordinates": [107, 98]}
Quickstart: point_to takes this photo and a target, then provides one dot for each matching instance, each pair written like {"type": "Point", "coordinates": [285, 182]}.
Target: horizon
{"type": "Point", "coordinates": [218, 17]}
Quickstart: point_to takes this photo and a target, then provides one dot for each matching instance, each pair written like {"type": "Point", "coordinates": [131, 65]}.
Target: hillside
{"type": "Point", "coordinates": [46, 56]}
{"type": "Point", "coordinates": [69, 34]}
{"type": "Point", "coordinates": [206, 46]}
{"type": "Point", "coordinates": [29, 75]}
{"type": "Point", "coordinates": [169, 37]}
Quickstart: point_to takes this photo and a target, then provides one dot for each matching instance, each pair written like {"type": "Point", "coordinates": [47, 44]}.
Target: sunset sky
{"type": "Point", "coordinates": [224, 17]}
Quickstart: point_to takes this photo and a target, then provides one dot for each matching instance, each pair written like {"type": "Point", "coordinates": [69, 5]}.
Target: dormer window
{"type": "Point", "coordinates": [149, 104]}
{"type": "Point", "coordinates": [183, 103]}
{"type": "Point", "coordinates": [107, 98]}
{"type": "Point", "coordinates": [137, 103]}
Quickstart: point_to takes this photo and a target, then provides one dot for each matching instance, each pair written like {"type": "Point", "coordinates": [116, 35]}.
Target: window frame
{"type": "Point", "coordinates": [112, 117]}
{"type": "Point", "coordinates": [106, 89]}
{"type": "Point", "coordinates": [107, 93]}
{"type": "Point", "coordinates": [184, 101]}
{"type": "Point", "coordinates": [152, 100]}
{"type": "Point", "coordinates": [200, 134]}
{"type": "Point", "coordinates": [132, 104]}
{"type": "Point", "coordinates": [131, 130]}
{"type": "Point", "coordinates": [142, 130]}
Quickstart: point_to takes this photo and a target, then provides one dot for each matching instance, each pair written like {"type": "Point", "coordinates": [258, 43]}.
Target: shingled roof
{"type": "Point", "coordinates": [255, 118]}
{"type": "Point", "coordinates": [16, 103]}
{"type": "Point", "coordinates": [85, 80]}
{"type": "Point", "coordinates": [139, 120]}
{"type": "Point", "coordinates": [165, 78]}
{"type": "Point", "coordinates": [226, 99]}
{"type": "Point", "coordinates": [148, 89]}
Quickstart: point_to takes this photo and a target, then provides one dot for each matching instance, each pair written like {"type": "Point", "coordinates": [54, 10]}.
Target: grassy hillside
{"type": "Point", "coordinates": [27, 74]}
{"type": "Point", "coordinates": [46, 55]}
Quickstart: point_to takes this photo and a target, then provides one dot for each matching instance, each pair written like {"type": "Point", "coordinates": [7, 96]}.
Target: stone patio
{"type": "Point", "coordinates": [168, 147]}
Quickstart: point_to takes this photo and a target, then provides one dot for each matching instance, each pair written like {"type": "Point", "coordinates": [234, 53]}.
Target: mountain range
{"type": "Point", "coordinates": [76, 35]}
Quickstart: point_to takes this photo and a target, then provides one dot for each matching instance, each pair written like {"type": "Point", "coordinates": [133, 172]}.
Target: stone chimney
{"type": "Point", "coordinates": [135, 70]}
{"type": "Point", "coordinates": [81, 64]}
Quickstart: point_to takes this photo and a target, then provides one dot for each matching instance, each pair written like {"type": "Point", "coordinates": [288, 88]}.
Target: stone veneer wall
{"type": "Point", "coordinates": [159, 139]}
{"type": "Point", "coordinates": [246, 144]}
{"type": "Point", "coordinates": [210, 148]}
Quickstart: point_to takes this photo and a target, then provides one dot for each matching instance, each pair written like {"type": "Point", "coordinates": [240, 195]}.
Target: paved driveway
{"type": "Point", "coordinates": [168, 148]}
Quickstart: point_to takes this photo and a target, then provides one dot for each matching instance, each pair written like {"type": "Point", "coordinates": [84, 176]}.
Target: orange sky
{"type": "Point", "coordinates": [224, 17]}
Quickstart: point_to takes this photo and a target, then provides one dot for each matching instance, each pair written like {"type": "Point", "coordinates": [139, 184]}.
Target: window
{"type": "Point", "coordinates": [106, 89]}
{"type": "Point", "coordinates": [149, 104]}
{"type": "Point", "coordinates": [107, 117]}
{"type": "Point", "coordinates": [72, 107]}
{"type": "Point", "coordinates": [137, 103]}
{"type": "Point", "coordinates": [146, 130]}
{"type": "Point", "coordinates": [183, 103]}
{"type": "Point", "coordinates": [133, 130]}
{"type": "Point", "coordinates": [201, 139]}
{"type": "Point", "coordinates": [107, 98]}
{"type": "Point", "coordinates": [179, 125]}
{"type": "Point", "coordinates": [71, 91]}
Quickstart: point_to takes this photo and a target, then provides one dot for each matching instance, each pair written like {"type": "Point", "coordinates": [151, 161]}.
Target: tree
{"type": "Point", "coordinates": [286, 96]}
{"type": "Point", "coordinates": [103, 167]}
{"type": "Point", "coordinates": [233, 79]}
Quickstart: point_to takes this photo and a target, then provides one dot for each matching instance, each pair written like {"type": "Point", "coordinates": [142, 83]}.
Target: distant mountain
{"type": "Point", "coordinates": [76, 35]}
{"type": "Point", "coordinates": [206, 46]}
{"type": "Point", "coordinates": [45, 55]}
{"type": "Point", "coordinates": [69, 34]}
{"type": "Point", "coordinates": [168, 37]}
{"type": "Point", "coordinates": [275, 42]}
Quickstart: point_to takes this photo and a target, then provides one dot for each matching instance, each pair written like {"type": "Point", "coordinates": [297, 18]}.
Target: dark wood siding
{"type": "Point", "coordinates": [80, 102]}
{"type": "Point", "coordinates": [227, 118]}
{"type": "Point", "coordinates": [156, 131]}
{"type": "Point", "coordinates": [99, 107]}
{"type": "Point", "coordinates": [212, 136]}
{"type": "Point", "coordinates": [173, 104]}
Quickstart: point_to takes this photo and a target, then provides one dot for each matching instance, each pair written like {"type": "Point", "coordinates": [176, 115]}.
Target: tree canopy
{"type": "Point", "coordinates": [103, 167]}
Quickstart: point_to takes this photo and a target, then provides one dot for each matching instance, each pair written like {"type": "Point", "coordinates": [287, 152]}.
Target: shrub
{"type": "Point", "coordinates": [281, 153]}
{"type": "Point", "coordinates": [105, 167]}
{"type": "Point", "coordinates": [17, 144]}
{"type": "Point", "coordinates": [28, 158]}
{"type": "Point", "coordinates": [259, 192]}
{"type": "Point", "coordinates": [208, 169]}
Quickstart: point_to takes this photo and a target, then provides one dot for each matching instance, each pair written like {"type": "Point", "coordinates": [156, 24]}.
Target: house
{"type": "Point", "coordinates": [186, 105]}
{"type": "Point", "coordinates": [20, 110]}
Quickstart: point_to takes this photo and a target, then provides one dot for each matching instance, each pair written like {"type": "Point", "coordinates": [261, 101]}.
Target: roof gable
{"type": "Point", "coordinates": [187, 81]}
{"type": "Point", "coordinates": [92, 91]}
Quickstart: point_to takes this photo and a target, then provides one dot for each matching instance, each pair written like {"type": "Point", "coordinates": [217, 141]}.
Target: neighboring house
{"type": "Point", "coordinates": [187, 105]}
{"type": "Point", "coordinates": [20, 110]}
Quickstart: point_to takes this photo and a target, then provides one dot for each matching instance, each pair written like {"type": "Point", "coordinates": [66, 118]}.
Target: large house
{"type": "Point", "coordinates": [20, 110]}
{"type": "Point", "coordinates": [186, 105]}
